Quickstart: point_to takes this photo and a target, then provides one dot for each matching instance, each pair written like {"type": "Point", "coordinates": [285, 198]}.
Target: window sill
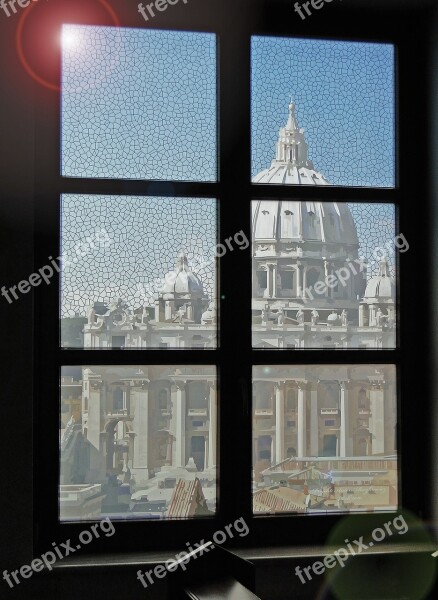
{"type": "Point", "coordinates": [255, 555]}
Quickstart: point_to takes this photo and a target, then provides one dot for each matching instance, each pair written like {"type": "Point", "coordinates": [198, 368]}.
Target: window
{"type": "Point", "coordinates": [160, 136]}
{"type": "Point", "coordinates": [343, 256]}
{"type": "Point", "coordinates": [130, 449]}
{"type": "Point", "coordinates": [138, 277]}
{"type": "Point", "coordinates": [330, 450]}
{"type": "Point", "coordinates": [262, 279]}
{"type": "Point", "coordinates": [287, 280]}
{"type": "Point", "coordinates": [345, 283]}
{"type": "Point", "coordinates": [142, 217]}
{"type": "Point", "coordinates": [142, 274]}
{"type": "Point", "coordinates": [162, 399]}
{"type": "Point", "coordinates": [331, 112]}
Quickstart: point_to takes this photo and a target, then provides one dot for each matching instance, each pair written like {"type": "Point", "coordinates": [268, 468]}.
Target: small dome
{"type": "Point", "coordinates": [182, 280]}
{"type": "Point", "coordinates": [382, 286]}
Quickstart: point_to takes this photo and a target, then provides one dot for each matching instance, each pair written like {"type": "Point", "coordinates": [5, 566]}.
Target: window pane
{"type": "Point", "coordinates": [138, 442]}
{"type": "Point", "coordinates": [138, 104]}
{"type": "Point", "coordinates": [138, 272]}
{"type": "Point", "coordinates": [324, 274]}
{"type": "Point", "coordinates": [324, 438]}
{"type": "Point", "coordinates": [342, 94]}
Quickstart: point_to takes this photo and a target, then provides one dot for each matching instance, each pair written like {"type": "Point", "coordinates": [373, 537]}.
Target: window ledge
{"type": "Point", "coordinates": [250, 554]}
{"type": "Point", "coordinates": [294, 552]}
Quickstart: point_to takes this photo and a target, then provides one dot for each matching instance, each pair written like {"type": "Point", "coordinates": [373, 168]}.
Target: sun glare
{"type": "Point", "coordinates": [70, 38]}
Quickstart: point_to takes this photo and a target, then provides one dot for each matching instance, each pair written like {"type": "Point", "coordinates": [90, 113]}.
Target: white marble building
{"type": "Point", "coordinates": [149, 418]}
{"type": "Point", "coordinates": [323, 411]}
{"type": "Point", "coordinates": [310, 288]}
{"type": "Point", "coordinates": [183, 316]}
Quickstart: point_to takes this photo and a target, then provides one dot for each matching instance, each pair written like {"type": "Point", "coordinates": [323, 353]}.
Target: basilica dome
{"type": "Point", "coordinates": [287, 220]}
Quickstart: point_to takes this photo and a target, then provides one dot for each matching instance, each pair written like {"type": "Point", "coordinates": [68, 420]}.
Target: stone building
{"type": "Point", "coordinates": [310, 287]}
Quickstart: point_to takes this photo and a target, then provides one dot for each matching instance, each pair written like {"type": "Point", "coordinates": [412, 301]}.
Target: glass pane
{"type": "Point", "coordinates": [138, 104]}
{"type": "Point", "coordinates": [324, 438]}
{"type": "Point", "coordinates": [342, 94]}
{"type": "Point", "coordinates": [324, 274]}
{"type": "Point", "coordinates": [138, 272]}
{"type": "Point", "coordinates": [138, 442]}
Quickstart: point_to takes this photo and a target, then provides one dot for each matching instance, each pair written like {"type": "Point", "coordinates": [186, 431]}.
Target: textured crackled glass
{"type": "Point", "coordinates": [138, 104]}
{"type": "Point", "coordinates": [138, 272]}
{"type": "Point", "coordinates": [158, 456]}
{"type": "Point", "coordinates": [324, 274]}
{"type": "Point", "coordinates": [324, 439]}
{"type": "Point", "coordinates": [323, 112]}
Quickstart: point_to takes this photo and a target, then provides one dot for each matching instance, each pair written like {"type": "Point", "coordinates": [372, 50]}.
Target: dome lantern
{"type": "Point", "coordinates": [291, 164]}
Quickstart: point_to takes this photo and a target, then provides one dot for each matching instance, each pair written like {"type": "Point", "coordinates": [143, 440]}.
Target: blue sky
{"type": "Point", "coordinates": [123, 246]}
{"type": "Point", "coordinates": [344, 96]}
{"type": "Point", "coordinates": [142, 104]}
{"type": "Point", "coordinates": [138, 104]}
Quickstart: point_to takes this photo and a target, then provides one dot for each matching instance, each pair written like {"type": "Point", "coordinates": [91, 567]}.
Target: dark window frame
{"type": "Point", "coordinates": [234, 193]}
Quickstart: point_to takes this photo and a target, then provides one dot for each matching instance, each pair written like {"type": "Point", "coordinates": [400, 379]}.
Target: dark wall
{"type": "Point", "coordinates": [16, 263]}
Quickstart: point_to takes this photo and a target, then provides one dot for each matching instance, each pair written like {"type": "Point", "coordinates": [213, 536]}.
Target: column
{"type": "Point", "coordinates": [301, 425]}
{"type": "Point", "coordinates": [157, 311]}
{"type": "Point", "coordinates": [345, 446]}
{"type": "Point", "coordinates": [95, 410]}
{"type": "Point", "coordinates": [169, 451]}
{"type": "Point", "coordinates": [179, 406]}
{"type": "Point", "coordinates": [326, 275]}
{"type": "Point", "coordinates": [190, 312]}
{"type": "Point", "coordinates": [330, 291]}
{"type": "Point", "coordinates": [168, 310]}
{"type": "Point", "coordinates": [314, 421]}
{"type": "Point", "coordinates": [299, 280]}
{"type": "Point", "coordinates": [279, 421]}
{"type": "Point", "coordinates": [273, 456]}
{"type": "Point", "coordinates": [377, 420]}
{"type": "Point", "coordinates": [140, 425]}
{"type": "Point", "coordinates": [267, 293]}
{"type": "Point", "coordinates": [270, 282]}
{"type": "Point", "coordinates": [212, 429]}
{"type": "Point", "coordinates": [274, 281]}
{"type": "Point", "coordinates": [304, 283]}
